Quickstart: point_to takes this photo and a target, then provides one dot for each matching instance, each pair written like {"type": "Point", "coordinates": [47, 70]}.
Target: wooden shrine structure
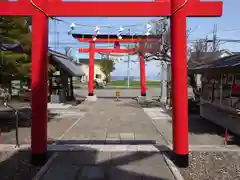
{"type": "Point", "coordinates": [177, 10]}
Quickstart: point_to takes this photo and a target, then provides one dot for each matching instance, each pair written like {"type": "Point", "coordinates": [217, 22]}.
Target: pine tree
{"type": "Point", "coordinates": [15, 30]}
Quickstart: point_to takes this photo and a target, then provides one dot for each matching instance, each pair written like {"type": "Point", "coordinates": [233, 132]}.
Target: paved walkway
{"type": "Point", "coordinates": [61, 118]}
{"type": "Point", "coordinates": [111, 124]}
{"type": "Point", "coordinates": [114, 122]}
{"type": "Point", "coordinates": [201, 131]}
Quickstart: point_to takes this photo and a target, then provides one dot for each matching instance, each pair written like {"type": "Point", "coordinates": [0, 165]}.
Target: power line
{"type": "Point", "coordinates": [105, 26]}
{"type": "Point", "coordinates": [222, 40]}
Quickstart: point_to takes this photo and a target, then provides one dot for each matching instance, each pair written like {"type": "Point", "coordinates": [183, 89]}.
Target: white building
{"type": "Point", "coordinates": [99, 76]}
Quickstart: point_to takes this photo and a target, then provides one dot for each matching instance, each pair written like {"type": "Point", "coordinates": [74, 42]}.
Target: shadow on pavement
{"type": "Point", "coordinates": [8, 119]}
{"type": "Point", "coordinates": [114, 97]}
{"type": "Point", "coordinates": [112, 142]}
{"type": "Point", "coordinates": [87, 164]}
{"type": "Point", "coordinates": [15, 165]}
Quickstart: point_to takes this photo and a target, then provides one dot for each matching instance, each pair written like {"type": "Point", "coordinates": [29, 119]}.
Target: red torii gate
{"type": "Point", "coordinates": [114, 39]}
{"type": "Point", "coordinates": [178, 10]}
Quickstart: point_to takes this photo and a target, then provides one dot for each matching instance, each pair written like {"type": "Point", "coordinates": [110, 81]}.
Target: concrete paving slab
{"type": "Point", "coordinates": [115, 122]}
{"type": "Point", "coordinates": [120, 122]}
{"type": "Point", "coordinates": [61, 172]}
{"type": "Point", "coordinates": [95, 165]}
{"type": "Point", "coordinates": [132, 172]}
{"type": "Point", "coordinates": [91, 173]}
{"type": "Point", "coordinates": [127, 136]}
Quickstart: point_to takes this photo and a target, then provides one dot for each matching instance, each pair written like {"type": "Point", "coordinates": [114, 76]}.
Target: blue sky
{"type": "Point", "coordinates": [228, 28]}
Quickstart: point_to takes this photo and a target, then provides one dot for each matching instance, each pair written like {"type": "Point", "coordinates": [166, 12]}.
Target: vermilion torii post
{"type": "Point", "coordinates": [113, 39]}
{"type": "Point", "coordinates": [35, 8]}
{"type": "Point", "coordinates": [91, 69]}
{"type": "Point", "coordinates": [142, 75]}
{"type": "Point", "coordinates": [142, 71]}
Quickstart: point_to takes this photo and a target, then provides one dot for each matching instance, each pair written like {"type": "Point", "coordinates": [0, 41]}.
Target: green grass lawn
{"type": "Point", "coordinates": [133, 83]}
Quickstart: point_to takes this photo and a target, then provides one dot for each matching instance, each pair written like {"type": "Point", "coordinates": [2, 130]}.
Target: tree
{"type": "Point", "coordinates": [14, 63]}
{"type": "Point", "coordinates": [107, 66]}
{"type": "Point", "coordinates": [161, 48]}
{"type": "Point", "coordinates": [196, 52]}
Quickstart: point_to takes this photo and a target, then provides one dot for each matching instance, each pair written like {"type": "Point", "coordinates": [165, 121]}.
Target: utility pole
{"type": "Point", "coordinates": [214, 48]}
{"type": "Point", "coordinates": [55, 34]}
{"type": "Point", "coordinates": [206, 45]}
{"type": "Point", "coordinates": [128, 71]}
{"type": "Point", "coordinates": [57, 40]}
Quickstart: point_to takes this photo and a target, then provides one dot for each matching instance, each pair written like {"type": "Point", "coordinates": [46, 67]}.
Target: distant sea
{"type": "Point", "coordinates": [134, 78]}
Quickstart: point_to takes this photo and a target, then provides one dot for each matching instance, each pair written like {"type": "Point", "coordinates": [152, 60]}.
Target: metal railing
{"type": "Point", "coordinates": [17, 115]}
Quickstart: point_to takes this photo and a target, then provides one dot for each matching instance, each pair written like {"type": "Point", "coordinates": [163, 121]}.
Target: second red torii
{"type": "Point", "coordinates": [104, 38]}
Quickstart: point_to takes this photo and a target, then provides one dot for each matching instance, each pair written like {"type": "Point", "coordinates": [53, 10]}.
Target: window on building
{"type": "Point", "coordinates": [207, 91]}
{"type": "Point", "coordinates": [216, 88]}
{"type": "Point", "coordinates": [224, 78]}
{"type": "Point", "coordinates": [227, 89]}
{"type": "Point", "coordinates": [237, 78]}
{"type": "Point", "coordinates": [207, 87]}
{"type": "Point", "coordinates": [230, 78]}
{"type": "Point", "coordinates": [98, 76]}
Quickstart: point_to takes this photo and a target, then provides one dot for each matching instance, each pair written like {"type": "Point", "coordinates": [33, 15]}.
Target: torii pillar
{"type": "Point", "coordinates": [180, 10]}
{"type": "Point", "coordinates": [39, 86]}
{"type": "Point", "coordinates": [142, 75]}
{"type": "Point", "coordinates": [91, 69]}
{"type": "Point", "coordinates": [179, 83]}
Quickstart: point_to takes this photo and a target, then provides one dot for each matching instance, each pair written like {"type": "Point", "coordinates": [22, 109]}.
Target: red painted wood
{"type": "Point", "coordinates": [105, 50]}
{"type": "Point", "coordinates": [110, 9]}
{"type": "Point", "coordinates": [91, 69]}
{"type": "Point", "coordinates": [116, 45]}
{"type": "Point", "coordinates": [16, 9]}
{"type": "Point", "coordinates": [204, 9]}
{"type": "Point", "coordinates": [39, 83]}
{"type": "Point", "coordinates": [115, 9]}
{"type": "Point", "coordinates": [142, 75]}
{"type": "Point", "coordinates": [179, 80]}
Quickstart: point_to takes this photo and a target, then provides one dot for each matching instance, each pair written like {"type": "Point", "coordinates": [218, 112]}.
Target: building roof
{"type": "Point", "coordinates": [86, 61]}
{"type": "Point", "coordinates": [204, 58]}
{"type": "Point", "coordinates": [66, 63]}
{"type": "Point", "coordinates": [113, 36]}
{"type": "Point", "coordinates": [225, 64]}
{"type": "Point", "coordinates": [11, 47]}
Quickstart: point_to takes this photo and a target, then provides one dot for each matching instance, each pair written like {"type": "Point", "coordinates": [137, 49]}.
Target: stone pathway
{"type": "Point", "coordinates": [64, 119]}
{"type": "Point", "coordinates": [60, 119]}
{"type": "Point", "coordinates": [95, 165]}
{"type": "Point", "coordinates": [120, 141]}
{"type": "Point", "coordinates": [109, 121]}
{"type": "Point", "coordinates": [201, 132]}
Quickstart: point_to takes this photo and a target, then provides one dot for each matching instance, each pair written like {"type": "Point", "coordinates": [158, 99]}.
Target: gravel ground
{"type": "Point", "coordinates": [15, 166]}
{"type": "Point", "coordinates": [212, 166]}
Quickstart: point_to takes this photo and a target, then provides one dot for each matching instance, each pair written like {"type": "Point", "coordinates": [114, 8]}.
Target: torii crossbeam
{"type": "Point", "coordinates": [178, 10]}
